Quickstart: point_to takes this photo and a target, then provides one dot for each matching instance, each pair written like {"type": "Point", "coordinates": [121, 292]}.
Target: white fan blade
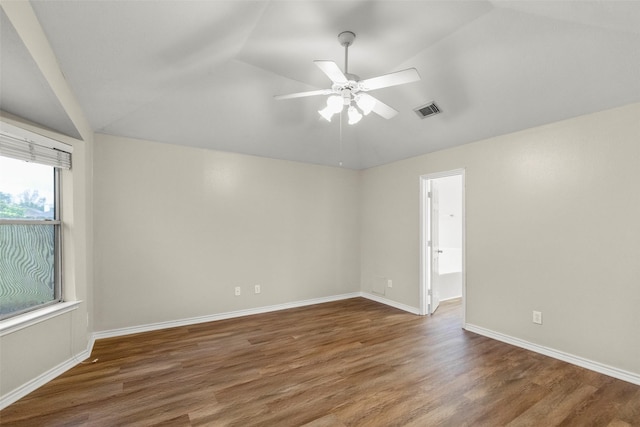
{"type": "Point", "coordinates": [392, 79]}
{"type": "Point", "coordinates": [382, 109]}
{"type": "Point", "coordinates": [303, 94]}
{"type": "Point", "coordinates": [332, 71]}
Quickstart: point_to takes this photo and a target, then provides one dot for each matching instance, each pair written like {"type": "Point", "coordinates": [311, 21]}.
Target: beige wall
{"type": "Point", "coordinates": [28, 353]}
{"type": "Point", "coordinates": [177, 228]}
{"type": "Point", "coordinates": [552, 220]}
{"type": "Point", "coordinates": [51, 346]}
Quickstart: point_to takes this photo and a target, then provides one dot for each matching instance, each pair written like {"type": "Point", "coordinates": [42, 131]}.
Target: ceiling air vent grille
{"type": "Point", "coordinates": [427, 110]}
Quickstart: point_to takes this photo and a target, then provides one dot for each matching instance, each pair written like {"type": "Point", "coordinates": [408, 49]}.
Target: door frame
{"type": "Point", "coordinates": [424, 227]}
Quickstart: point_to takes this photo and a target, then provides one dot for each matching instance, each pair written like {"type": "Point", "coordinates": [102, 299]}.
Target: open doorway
{"type": "Point", "coordinates": [442, 239]}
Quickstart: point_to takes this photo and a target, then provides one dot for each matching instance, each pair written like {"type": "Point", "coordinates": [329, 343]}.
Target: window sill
{"type": "Point", "coordinates": [22, 321]}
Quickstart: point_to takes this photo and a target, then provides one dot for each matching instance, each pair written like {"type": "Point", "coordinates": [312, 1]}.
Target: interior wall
{"type": "Point", "coordinates": [56, 343]}
{"type": "Point", "coordinates": [551, 225]}
{"type": "Point", "coordinates": [27, 353]}
{"type": "Point", "coordinates": [178, 228]}
{"type": "Point", "coordinates": [450, 236]}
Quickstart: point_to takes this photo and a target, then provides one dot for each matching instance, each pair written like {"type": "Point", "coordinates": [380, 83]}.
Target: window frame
{"type": "Point", "coordinates": [56, 222]}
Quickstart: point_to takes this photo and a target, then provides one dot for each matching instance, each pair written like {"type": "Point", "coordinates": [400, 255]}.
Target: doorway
{"type": "Point", "coordinates": [442, 239]}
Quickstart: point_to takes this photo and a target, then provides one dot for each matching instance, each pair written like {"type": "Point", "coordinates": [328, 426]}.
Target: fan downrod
{"type": "Point", "coordinates": [346, 39]}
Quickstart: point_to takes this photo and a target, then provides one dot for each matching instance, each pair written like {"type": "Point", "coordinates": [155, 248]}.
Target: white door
{"type": "Point", "coordinates": [433, 298]}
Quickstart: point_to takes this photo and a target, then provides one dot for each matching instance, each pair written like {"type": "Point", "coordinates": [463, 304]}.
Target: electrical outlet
{"type": "Point", "coordinates": [389, 283]}
{"type": "Point", "coordinates": [256, 288]}
{"type": "Point", "coordinates": [237, 291]}
{"type": "Point", "coordinates": [537, 317]}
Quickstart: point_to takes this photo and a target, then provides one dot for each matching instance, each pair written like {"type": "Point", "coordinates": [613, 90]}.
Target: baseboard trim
{"type": "Point", "coordinates": [557, 354]}
{"type": "Point", "coordinates": [386, 301]}
{"type": "Point", "coordinates": [247, 312]}
{"type": "Point", "coordinates": [40, 380]}
{"type": "Point", "coordinates": [221, 316]}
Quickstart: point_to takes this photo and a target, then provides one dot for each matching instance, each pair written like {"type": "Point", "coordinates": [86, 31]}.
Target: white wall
{"type": "Point", "coordinates": [30, 355]}
{"type": "Point", "coordinates": [177, 228]}
{"type": "Point", "coordinates": [27, 353]}
{"type": "Point", "coordinates": [450, 236]}
{"type": "Point", "coordinates": [552, 225]}
{"type": "Point", "coordinates": [450, 213]}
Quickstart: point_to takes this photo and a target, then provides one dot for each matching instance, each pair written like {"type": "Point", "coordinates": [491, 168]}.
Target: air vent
{"type": "Point", "coordinates": [427, 110]}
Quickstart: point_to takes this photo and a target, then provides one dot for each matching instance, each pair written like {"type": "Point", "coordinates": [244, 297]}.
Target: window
{"type": "Point", "coordinates": [30, 226]}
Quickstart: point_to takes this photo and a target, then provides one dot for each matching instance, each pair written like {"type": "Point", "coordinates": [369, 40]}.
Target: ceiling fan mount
{"type": "Point", "coordinates": [348, 87]}
{"type": "Point", "coordinates": [346, 38]}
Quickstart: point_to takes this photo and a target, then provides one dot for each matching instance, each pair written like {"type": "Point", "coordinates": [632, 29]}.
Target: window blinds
{"type": "Point", "coordinates": [22, 149]}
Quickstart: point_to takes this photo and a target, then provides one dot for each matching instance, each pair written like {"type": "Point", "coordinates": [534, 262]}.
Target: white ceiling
{"type": "Point", "coordinates": [204, 73]}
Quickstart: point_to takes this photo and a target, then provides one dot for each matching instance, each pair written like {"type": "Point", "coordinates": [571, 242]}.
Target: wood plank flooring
{"type": "Point", "coordinates": [346, 363]}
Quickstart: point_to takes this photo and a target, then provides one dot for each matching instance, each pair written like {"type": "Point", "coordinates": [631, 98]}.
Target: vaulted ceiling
{"type": "Point", "coordinates": [204, 73]}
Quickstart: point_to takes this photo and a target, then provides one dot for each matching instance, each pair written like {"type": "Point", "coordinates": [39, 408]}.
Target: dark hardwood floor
{"type": "Point", "coordinates": [346, 363]}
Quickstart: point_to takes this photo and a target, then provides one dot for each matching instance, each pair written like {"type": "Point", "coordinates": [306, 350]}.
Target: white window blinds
{"type": "Point", "coordinates": [37, 149]}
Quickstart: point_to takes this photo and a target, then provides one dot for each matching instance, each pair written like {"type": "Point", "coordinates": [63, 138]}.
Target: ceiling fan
{"type": "Point", "coordinates": [348, 87]}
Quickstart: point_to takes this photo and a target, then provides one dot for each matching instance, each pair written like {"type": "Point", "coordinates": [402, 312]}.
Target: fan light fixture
{"type": "Point", "coordinates": [348, 90]}
{"type": "Point", "coordinates": [336, 103]}
{"type": "Point", "coordinates": [365, 103]}
{"type": "Point", "coordinates": [354, 115]}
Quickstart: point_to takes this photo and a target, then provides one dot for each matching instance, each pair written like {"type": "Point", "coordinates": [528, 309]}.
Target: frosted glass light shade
{"type": "Point", "coordinates": [327, 113]}
{"type": "Point", "coordinates": [335, 103]}
{"type": "Point", "coordinates": [365, 103]}
{"type": "Point", "coordinates": [354, 115]}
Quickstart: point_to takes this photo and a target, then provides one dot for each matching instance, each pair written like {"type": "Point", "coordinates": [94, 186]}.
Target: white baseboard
{"type": "Point", "coordinates": [221, 316]}
{"type": "Point", "coordinates": [557, 354]}
{"type": "Point", "coordinates": [40, 380]}
{"type": "Point", "coordinates": [248, 312]}
{"type": "Point", "coordinates": [385, 301]}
